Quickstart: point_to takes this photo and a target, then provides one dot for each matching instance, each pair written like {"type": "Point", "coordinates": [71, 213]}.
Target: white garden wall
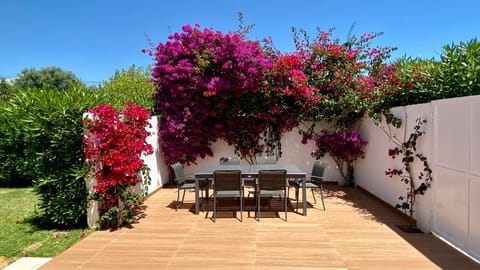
{"type": "Point", "coordinates": [451, 207]}
{"type": "Point", "coordinates": [156, 162]}
{"type": "Point", "coordinates": [294, 152]}
{"type": "Point", "coordinates": [457, 172]}
{"type": "Point", "coordinates": [370, 172]}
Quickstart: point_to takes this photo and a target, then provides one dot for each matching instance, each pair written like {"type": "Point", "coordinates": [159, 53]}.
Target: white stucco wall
{"type": "Point", "coordinates": [370, 172]}
{"type": "Point", "coordinates": [293, 152]}
{"type": "Point", "coordinates": [155, 161]}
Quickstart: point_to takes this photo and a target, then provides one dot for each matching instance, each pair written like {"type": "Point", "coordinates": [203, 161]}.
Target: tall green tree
{"type": "Point", "coordinates": [132, 84]}
{"type": "Point", "coordinates": [49, 77]}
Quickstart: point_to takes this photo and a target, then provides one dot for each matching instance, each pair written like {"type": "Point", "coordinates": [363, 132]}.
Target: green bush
{"type": "Point", "coordinates": [43, 131]}
{"type": "Point", "coordinates": [133, 85]}
{"type": "Point", "coordinates": [459, 71]}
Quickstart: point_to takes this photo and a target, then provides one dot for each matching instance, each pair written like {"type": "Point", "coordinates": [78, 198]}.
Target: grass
{"type": "Point", "coordinates": [20, 235]}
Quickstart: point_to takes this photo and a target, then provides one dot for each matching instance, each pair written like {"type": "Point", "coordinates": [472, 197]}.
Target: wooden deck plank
{"type": "Point", "coordinates": [355, 232]}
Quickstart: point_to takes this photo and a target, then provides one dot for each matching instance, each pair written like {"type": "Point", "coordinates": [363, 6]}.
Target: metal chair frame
{"type": "Point", "coordinates": [272, 183]}
{"type": "Point", "coordinates": [227, 183]}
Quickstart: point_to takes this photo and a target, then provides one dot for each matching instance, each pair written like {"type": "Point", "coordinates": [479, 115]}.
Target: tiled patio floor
{"type": "Point", "coordinates": [355, 232]}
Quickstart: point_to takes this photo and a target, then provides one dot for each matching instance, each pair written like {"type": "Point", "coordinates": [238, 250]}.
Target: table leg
{"type": "Point", "coordinates": [197, 199]}
{"type": "Point", "coordinates": [304, 195]}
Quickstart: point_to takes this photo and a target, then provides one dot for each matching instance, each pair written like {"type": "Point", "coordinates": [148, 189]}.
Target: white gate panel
{"type": "Point", "coordinates": [474, 224]}
{"type": "Point", "coordinates": [451, 199]}
{"type": "Point", "coordinates": [457, 172]}
{"type": "Point", "coordinates": [451, 138]}
{"type": "Point", "coordinates": [475, 129]}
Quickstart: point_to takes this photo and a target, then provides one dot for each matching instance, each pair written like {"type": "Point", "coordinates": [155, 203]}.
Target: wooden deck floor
{"type": "Point", "coordinates": [355, 232]}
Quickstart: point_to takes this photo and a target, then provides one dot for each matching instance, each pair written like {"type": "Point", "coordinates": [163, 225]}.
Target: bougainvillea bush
{"type": "Point", "coordinates": [115, 143]}
{"type": "Point", "coordinates": [211, 85]}
{"type": "Point", "coordinates": [344, 146]}
{"type": "Point", "coordinates": [214, 86]}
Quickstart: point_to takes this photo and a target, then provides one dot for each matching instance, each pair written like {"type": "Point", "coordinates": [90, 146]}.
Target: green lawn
{"type": "Point", "coordinates": [19, 236]}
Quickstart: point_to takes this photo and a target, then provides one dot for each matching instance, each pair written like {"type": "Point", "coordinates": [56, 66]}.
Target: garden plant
{"type": "Point", "coordinates": [115, 142]}
{"type": "Point", "coordinates": [407, 150]}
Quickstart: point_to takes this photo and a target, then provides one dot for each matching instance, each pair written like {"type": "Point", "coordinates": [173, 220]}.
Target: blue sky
{"type": "Point", "coordinates": [93, 38]}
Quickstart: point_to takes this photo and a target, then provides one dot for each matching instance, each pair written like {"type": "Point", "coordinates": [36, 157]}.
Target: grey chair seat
{"type": "Point", "coordinates": [187, 186]}
{"type": "Point", "coordinates": [228, 193]}
{"type": "Point", "coordinates": [307, 185]}
{"type": "Point", "coordinates": [271, 193]}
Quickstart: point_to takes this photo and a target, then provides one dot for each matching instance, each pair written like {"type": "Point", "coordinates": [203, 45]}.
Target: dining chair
{"type": "Point", "coordinates": [272, 183]}
{"type": "Point", "coordinates": [229, 161]}
{"type": "Point", "coordinates": [268, 160]}
{"type": "Point", "coordinates": [183, 183]}
{"type": "Point", "coordinates": [315, 181]}
{"type": "Point", "coordinates": [227, 184]}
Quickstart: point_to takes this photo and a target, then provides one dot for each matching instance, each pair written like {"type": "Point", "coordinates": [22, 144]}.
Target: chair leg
{"type": "Point", "coordinates": [178, 198]}
{"type": "Point", "coordinates": [241, 206]}
{"type": "Point", "coordinates": [313, 194]}
{"type": "Point", "coordinates": [285, 197]}
{"type": "Point", "coordinates": [321, 195]}
{"type": "Point", "coordinates": [214, 208]}
{"type": "Point", "coordinates": [258, 207]}
{"type": "Point", "coordinates": [296, 196]}
{"type": "Point", "coordinates": [183, 198]}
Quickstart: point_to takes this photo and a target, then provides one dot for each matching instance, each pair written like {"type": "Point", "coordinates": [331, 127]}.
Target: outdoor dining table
{"type": "Point", "coordinates": [250, 171]}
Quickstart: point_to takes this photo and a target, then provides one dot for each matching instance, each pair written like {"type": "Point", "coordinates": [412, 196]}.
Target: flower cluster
{"type": "Point", "coordinates": [343, 143]}
{"type": "Point", "coordinates": [344, 146]}
{"type": "Point", "coordinates": [114, 145]}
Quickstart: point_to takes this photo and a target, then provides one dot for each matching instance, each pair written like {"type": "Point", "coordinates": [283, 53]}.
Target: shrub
{"type": "Point", "coordinates": [43, 131]}
{"type": "Point", "coordinates": [344, 146]}
{"type": "Point", "coordinates": [209, 85]}
{"type": "Point", "coordinates": [132, 84]}
{"type": "Point", "coordinates": [114, 145]}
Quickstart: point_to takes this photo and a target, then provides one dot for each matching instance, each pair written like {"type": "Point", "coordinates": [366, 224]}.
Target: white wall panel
{"type": "Point", "coordinates": [474, 216]}
{"type": "Point", "coordinates": [451, 201]}
{"type": "Point", "coordinates": [451, 141]}
{"type": "Point", "coordinates": [475, 139]}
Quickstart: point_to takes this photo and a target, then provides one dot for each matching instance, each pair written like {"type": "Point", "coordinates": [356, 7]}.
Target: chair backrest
{"type": "Point", "coordinates": [272, 179]}
{"type": "Point", "coordinates": [266, 160]}
{"type": "Point", "coordinates": [227, 180]}
{"type": "Point", "coordinates": [318, 170]}
{"type": "Point", "coordinates": [229, 161]}
{"type": "Point", "coordinates": [178, 172]}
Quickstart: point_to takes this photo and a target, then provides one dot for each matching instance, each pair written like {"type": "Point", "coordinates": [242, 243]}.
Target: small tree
{"type": "Point", "coordinates": [132, 84]}
{"type": "Point", "coordinates": [408, 150]}
{"type": "Point", "coordinates": [49, 77]}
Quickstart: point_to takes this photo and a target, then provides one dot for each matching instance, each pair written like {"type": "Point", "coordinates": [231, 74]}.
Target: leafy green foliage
{"type": "Point", "coordinates": [423, 80]}
{"type": "Point", "coordinates": [49, 77]}
{"type": "Point", "coordinates": [132, 85]}
{"type": "Point", "coordinates": [43, 133]}
{"type": "Point", "coordinates": [459, 71]}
